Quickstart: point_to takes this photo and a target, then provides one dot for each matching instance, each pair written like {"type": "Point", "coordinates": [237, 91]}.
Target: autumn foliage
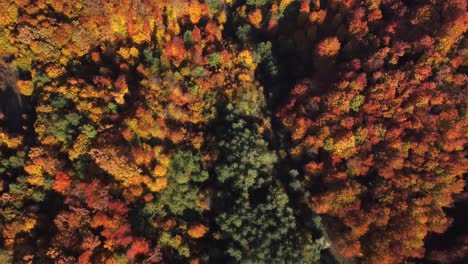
{"type": "Point", "coordinates": [248, 131]}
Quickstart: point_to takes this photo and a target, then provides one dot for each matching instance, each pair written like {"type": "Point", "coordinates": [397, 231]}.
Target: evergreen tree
{"type": "Point", "coordinates": [259, 226]}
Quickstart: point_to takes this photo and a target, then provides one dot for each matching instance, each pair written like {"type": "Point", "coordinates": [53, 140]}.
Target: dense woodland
{"type": "Point", "coordinates": [232, 131]}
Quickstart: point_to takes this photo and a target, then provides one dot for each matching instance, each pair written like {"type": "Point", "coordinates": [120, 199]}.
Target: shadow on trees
{"type": "Point", "coordinates": [11, 106]}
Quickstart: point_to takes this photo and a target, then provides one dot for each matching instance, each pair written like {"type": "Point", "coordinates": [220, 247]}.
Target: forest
{"type": "Point", "coordinates": [233, 131]}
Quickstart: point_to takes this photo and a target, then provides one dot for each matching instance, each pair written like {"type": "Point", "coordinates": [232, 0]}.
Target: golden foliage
{"type": "Point", "coordinates": [329, 47]}
{"type": "Point", "coordinates": [197, 231]}
{"type": "Point", "coordinates": [158, 184]}
{"type": "Point", "coordinates": [245, 58]}
{"type": "Point", "coordinates": [11, 142]}
{"type": "Point", "coordinates": [117, 165]}
{"type": "Point", "coordinates": [25, 87]}
{"type": "Point", "coordinates": [255, 17]}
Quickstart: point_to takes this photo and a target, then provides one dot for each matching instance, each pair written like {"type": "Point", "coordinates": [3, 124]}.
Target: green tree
{"type": "Point", "coordinates": [260, 225]}
{"type": "Point", "coordinates": [257, 2]}
{"type": "Point", "coordinates": [264, 56]}
{"type": "Point", "coordinates": [5, 256]}
{"type": "Point", "coordinates": [184, 175]}
{"type": "Point", "coordinates": [214, 59]}
{"type": "Point", "coordinates": [244, 32]}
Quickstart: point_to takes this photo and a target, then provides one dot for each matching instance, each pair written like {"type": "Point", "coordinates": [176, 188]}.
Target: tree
{"type": "Point", "coordinates": [185, 173]}
{"type": "Point", "coordinates": [256, 207]}
{"type": "Point", "coordinates": [329, 47]}
{"type": "Point", "coordinates": [367, 131]}
{"type": "Point", "coordinates": [197, 231]}
{"type": "Point", "coordinates": [61, 183]}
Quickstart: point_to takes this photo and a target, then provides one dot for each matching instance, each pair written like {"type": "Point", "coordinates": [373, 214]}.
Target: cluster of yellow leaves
{"type": "Point", "coordinates": [245, 57]}
{"type": "Point", "coordinates": [128, 173]}
{"type": "Point", "coordinates": [128, 53]}
{"type": "Point", "coordinates": [338, 199]}
{"type": "Point", "coordinates": [25, 87]}
{"type": "Point", "coordinates": [9, 14]}
{"type": "Point", "coordinates": [195, 11]}
{"type": "Point", "coordinates": [157, 185]}
{"type": "Point", "coordinates": [163, 159]}
{"type": "Point", "coordinates": [38, 164]}
{"type": "Point", "coordinates": [81, 146]}
{"type": "Point", "coordinates": [345, 146]}
{"type": "Point", "coordinates": [284, 4]}
{"type": "Point", "coordinates": [160, 170]}
{"type": "Point", "coordinates": [9, 141]}
{"type": "Point", "coordinates": [55, 71]}
{"type": "Point", "coordinates": [117, 165]}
